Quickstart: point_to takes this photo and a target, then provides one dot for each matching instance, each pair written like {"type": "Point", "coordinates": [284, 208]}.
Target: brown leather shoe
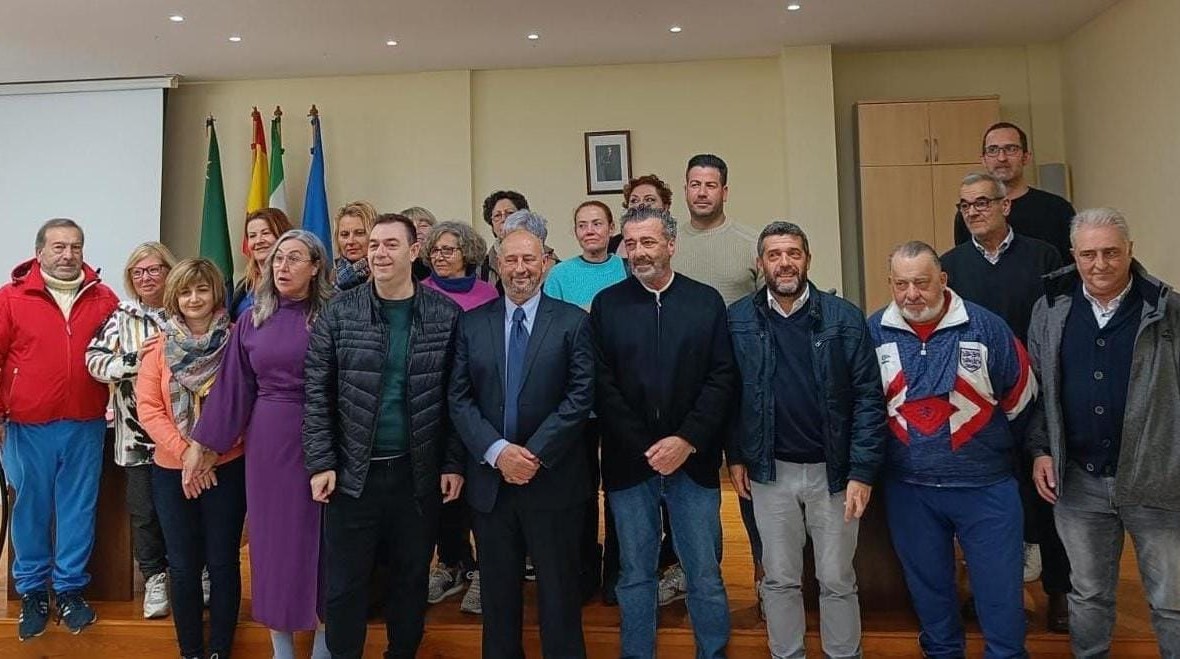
{"type": "Point", "coordinates": [1058, 614]}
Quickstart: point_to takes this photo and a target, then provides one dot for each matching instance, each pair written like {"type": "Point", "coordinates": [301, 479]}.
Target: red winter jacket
{"type": "Point", "coordinates": [43, 356]}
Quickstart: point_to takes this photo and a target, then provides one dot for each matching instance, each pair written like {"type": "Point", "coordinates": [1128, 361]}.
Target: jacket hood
{"type": "Point", "coordinates": [28, 275]}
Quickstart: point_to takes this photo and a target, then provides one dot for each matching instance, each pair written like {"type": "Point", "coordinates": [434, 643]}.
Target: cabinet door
{"type": "Point", "coordinates": [946, 180]}
{"type": "Point", "coordinates": [893, 134]}
{"type": "Point", "coordinates": [895, 208]}
{"type": "Point", "coordinates": [956, 129]}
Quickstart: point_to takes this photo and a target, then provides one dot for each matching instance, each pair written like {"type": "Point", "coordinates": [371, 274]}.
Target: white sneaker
{"type": "Point", "coordinates": [673, 586]}
{"type": "Point", "coordinates": [155, 596]}
{"type": "Point", "coordinates": [443, 583]}
{"type": "Point", "coordinates": [471, 602]}
{"type": "Point", "coordinates": [205, 585]}
{"type": "Point", "coordinates": [1032, 562]}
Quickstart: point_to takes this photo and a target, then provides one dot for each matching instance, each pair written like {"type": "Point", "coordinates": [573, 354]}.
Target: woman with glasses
{"type": "Point", "coordinates": [201, 516]}
{"type": "Point", "coordinates": [453, 250]}
{"type": "Point", "coordinates": [113, 358]}
{"type": "Point", "coordinates": [354, 220]}
{"type": "Point", "coordinates": [263, 226]}
{"type": "Point", "coordinates": [259, 397]}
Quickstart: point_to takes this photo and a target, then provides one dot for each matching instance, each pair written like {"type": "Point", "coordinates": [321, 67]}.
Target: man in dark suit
{"type": "Point", "coordinates": [521, 389]}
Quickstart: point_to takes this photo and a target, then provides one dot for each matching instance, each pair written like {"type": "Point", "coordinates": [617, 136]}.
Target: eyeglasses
{"type": "Point", "coordinates": [293, 260]}
{"type": "Point", "coordinates": [980, 205]}
{"type": "Point", "coordinates": [445, 251]}
{"type": "Point", "coordinates": [1007, 149]}
{"type": "Point", "coordinates": [150, 271]}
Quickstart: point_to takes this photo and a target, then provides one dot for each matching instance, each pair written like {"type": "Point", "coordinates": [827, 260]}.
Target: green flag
{"type": "Point", "coordinates": [215, 244]}
{"type": "Point", "coordinates": [278, 187]}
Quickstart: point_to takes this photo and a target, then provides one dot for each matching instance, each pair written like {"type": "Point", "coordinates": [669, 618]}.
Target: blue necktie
{"type": "Point", "coordinates": [518, 343]}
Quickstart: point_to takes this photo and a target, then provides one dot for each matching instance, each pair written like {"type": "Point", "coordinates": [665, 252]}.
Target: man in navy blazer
{"type": "Point", "coordinates": [521, 389]}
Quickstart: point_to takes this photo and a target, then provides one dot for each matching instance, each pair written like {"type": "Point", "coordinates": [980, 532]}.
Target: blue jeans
{"type": "Point", "coordinates": [695, 512]}
{"type": "Point", "coordinates": [54, 469]}
{"type": "Point", "coordinates": [1092, 528]}
{"type": "Point", "coordinates": [988, 521]}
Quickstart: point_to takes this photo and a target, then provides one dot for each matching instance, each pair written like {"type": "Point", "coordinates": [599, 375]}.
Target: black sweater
{"type": "Point", "coordinates": [1037, 214]}
{"type": "Point", "coordinates": [664, 367]}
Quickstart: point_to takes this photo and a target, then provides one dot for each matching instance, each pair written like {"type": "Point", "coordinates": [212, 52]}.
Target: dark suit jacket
{"type": "Point", "coordinates": [555, 400]}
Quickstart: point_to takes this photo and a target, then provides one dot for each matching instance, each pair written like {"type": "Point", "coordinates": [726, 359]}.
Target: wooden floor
{"type": "Point", "coordinates": [122, 632]}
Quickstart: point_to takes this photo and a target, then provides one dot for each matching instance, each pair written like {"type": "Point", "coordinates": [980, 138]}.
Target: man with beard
{"type": "Point", "coordinates": [955, 378]}
{"type": "Point", "coordinates": [1034, 213]}
{"type": "Point", "coordinates": [666, 377]}
{"type": "Point", "coordinates": [808, 441]}
{"type": "Point", "coordinates": [521, 389]}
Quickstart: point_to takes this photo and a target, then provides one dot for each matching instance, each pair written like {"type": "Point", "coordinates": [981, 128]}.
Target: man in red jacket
{"type": "Point", "coordinates": [53, 415]}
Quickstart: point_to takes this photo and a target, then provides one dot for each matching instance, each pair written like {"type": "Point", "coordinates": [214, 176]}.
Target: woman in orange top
{"type": "Point", "coordinates": [201, 509]}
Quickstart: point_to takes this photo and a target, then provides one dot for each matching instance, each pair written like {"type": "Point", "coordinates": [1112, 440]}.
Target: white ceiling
{"type": "Point", "coordinates": [79, 39]}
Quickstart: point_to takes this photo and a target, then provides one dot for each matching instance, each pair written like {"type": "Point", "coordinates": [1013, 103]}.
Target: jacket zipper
{"type": "Point", "coordinates": [659, 360]}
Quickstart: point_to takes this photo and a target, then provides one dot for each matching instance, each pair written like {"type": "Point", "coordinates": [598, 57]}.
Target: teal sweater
{"type": "Point", "coordinates": [577, 280]}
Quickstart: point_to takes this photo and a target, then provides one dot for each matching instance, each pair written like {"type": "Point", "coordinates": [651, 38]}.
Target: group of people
{"type": "Point", "coordinates": [444, 414]}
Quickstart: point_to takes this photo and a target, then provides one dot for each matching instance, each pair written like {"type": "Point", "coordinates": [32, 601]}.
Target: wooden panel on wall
{"type": "Point", "coordinates": [946, 180]}
{"type": "Point", "coordinates": [895, 203]}
{"type": "Point", "coordinates": [893, 134]}
{"type": "Point", "coordinates": [956, 128]}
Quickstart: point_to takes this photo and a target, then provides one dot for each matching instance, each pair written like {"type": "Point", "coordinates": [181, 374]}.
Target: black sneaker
{"type": "Point", "coordinates": [74, 611]}
{"type": "Point", "coordinates": [34, 614]}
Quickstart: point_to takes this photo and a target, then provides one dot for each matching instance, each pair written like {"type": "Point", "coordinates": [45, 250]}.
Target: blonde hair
{"type": "Point", "coordinates": [418, 214]}
{"type": "Point", "coordinates": [361, 210]}
{"type": "Point", "coordinates": [189, 272]}
{"type": "Point", "coordinates": [141, 252]}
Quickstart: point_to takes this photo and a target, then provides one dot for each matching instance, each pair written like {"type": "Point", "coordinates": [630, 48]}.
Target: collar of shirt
{"type": "Point", "coordinates": [661, 291]}
{"type": "Point", "coordinates": [1104, 312]}
{"type": "Point", "coordinates": [994, 257]}
{"type": "Point", "coordinates": [530, 311]}
{"type": "Point", "coordinates": [797, 305]}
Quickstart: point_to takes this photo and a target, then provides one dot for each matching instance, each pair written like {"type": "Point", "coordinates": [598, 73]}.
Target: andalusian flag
{"type": "Point", "coordinates": [278, 186]}
{"type": "Point", "coordinates": [315, 200]}
{"type": "Point", "coordinates": [214, 220]}
{"type": "Point", "coordinates": [259, 194]}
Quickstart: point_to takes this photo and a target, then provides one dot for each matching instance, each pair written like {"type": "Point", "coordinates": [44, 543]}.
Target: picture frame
{"type": "Point", "coordinates": [608, 161]}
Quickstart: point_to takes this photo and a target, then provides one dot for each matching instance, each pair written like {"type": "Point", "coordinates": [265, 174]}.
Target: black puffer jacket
{"type": "Point", "coordinates": [348, 348]}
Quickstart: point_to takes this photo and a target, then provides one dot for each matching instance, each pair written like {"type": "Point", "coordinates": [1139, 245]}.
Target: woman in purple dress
{"type": "Point", "coordinates": [259, 396]}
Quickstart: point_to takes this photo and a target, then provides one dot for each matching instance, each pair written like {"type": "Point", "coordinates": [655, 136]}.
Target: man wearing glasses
{"type": "Point", "coordinates": [1001, 271]}
{"type": "Point", "coordinates": [1036, 213]}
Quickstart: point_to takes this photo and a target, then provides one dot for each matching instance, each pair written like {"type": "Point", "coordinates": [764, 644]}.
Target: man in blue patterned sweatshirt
{"type": "Point", "coordinates": [955, 379]}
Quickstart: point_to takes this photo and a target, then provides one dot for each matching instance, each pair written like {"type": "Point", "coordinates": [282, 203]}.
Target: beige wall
{"type": "Point", "coordinates": [1026, 79]}
{"type": "Point", "coordinates": [1122, 96]}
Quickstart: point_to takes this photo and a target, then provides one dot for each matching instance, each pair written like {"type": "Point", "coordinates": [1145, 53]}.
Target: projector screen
{"type": "Point", "coordinates": [93, 156]}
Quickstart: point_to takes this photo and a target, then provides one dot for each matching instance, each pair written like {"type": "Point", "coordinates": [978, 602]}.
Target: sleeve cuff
{"type": "Point", "coordinates": [493, 453]}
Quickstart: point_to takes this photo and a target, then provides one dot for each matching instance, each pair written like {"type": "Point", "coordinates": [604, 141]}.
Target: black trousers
{"type": "Point", "coordinates": [206, 531]}
{"type": "Point", "coordinates": [600, 563]}
{"type": "Point", "coordinates": [454, 536]}
{"type": "Point", "coordinates": [1041, 529]}
{"type": "Point", "coordinates": [551, 538]}
{"type": "Point", "coordinates": [385, 514]}
{"type": "Point", "coordinates": [146, 536]}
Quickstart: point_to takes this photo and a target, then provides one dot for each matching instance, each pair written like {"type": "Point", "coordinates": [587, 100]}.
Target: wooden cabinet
{"type": "Point", "coordinates": [911, 156]}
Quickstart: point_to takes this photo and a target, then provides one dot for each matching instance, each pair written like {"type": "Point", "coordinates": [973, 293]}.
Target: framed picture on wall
{"type": "Point", "coordinates": [608, 161]}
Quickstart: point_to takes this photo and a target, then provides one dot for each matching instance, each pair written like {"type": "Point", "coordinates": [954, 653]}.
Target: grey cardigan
{"type": "Point", "coordinates": [1149, 458]}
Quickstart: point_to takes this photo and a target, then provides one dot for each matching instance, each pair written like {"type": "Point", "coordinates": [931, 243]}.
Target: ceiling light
{"type": "Point", "coordinates": [675, 29]}
{"type": "Point", "coordinates": [794, 6]}
{"type": "Point", "coordinates": [235, 38]}
{"type": "Point", "coordinates": [391, 42]}
{"type": "Point", "coordinates": [176, 18]}
{"type": "Point", "coordinates": [534, 36]}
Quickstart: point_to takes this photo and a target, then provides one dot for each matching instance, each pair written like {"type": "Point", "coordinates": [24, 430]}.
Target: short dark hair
{"type": "Point", "coordinates": [398, 218]}
{"type": "Point", "coordinates": [709, 160]}
{"type": "Point", "coordinates": [1000, 126]}
{"type": "Point", "coordinates": [490, 202]}
{"type": "Point", "coordinates": [56, 223]}
{"type": "Point", "coordinates": [644, 213]}
{"type": "Point", "coordinates": [783, 228]}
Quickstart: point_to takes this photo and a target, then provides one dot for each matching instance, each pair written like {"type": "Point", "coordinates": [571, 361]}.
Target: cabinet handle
{"type": "Point", "coordinates": [926, 149]}
{"type": "Point", "coordinates": [936, 149]}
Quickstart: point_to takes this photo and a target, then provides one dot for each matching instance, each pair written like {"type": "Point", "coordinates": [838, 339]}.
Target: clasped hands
{"type": "Point", "coordinates": [197, 473]}
{"type": "Point", "coordinates": [517, 464]}
{"type": "Point", "coordinates": [668, 454]}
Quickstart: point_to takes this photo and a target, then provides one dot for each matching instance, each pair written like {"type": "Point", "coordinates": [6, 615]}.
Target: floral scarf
{"type": "Point", "coordinates": [194, 361]}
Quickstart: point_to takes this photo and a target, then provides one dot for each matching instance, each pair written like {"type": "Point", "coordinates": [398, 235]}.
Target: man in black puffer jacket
{"type": "Point", "coordinates": [377, 439]}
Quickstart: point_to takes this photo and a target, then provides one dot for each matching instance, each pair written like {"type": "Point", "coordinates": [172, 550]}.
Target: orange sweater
{"type": "Point", "coordinates": [154, 408]}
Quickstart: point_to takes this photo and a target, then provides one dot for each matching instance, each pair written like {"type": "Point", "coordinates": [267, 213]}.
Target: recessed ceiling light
{"type": "Point", "coordinates": [176, 18]}
{"type": "Point", "coordinates": [391, 42]}
{"type": "Point", "coordinates": [794, 7]}
{"type": "Point", "coordinates": [235, 38]}
{"type": "Point", "coordinates": [534, 36]}
{"type": "Point", "coordinates": [675, 29]}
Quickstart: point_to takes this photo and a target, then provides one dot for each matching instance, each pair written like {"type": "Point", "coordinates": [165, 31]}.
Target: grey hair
{"type": "Point", "coordinates": [642, 213]}
{"type": "Point", "coordinates": [56, 223]}
{"type": "Point", "coordinates": [998, 186]}
{"type": "Point", "coordinates": [471, 244]}
{"type": "Point", "coordinates": [913, 249]}
{"type": "Point", "coordinates": [1092, 218]}
{"type": "Point", "coordinates": [266, 296]}
{"type": "Point", "coordinates": [783, 228]}
{"type": "Point", "coordinates": [526, 219]}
